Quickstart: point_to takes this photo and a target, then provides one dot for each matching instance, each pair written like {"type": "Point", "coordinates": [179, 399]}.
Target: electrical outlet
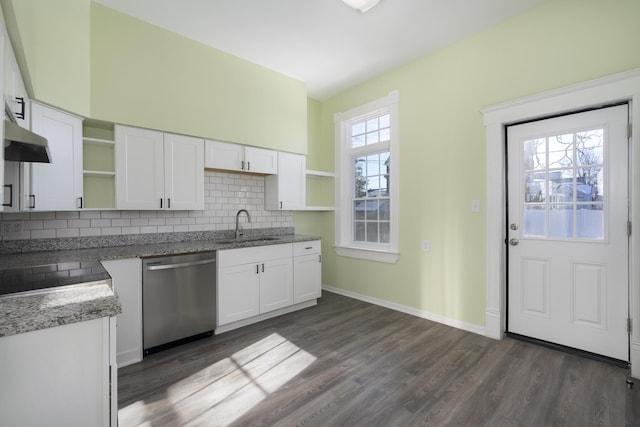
{"type": "Point", "coordinates": [426, 246]}
{"type": "Point", "coordinates": [12, 229]}
{"type": "Point", "coordinates": [475, 206]}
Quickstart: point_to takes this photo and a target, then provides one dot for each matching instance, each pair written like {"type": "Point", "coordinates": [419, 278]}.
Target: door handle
{"type": "Point", "coordinates": [514, 242]}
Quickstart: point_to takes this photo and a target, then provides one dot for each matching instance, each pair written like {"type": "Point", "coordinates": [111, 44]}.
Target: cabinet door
{"type": "Point", "coordinates": [55, 186]}
{"type": "Point", "coordinates": [15, 93]}
{"type": "Point", "coordinates": [276, 284]}
{"type": "Point", "coordinates": [139, 155]}
{"type": "Point", "coordinates": [183, 172]}
{"type": "Point", "coordinates": [11, 196]}
{"type": "Point", "coordinates": [307, 282]}
{"type": "Point", "coordinates": [127, 282]}
{"type": "Point", "coordinates": [238, 292]}
{"type": "Point", "coordinates": [45, 371]}
{"type": "Point", "coordinates": [287, 189]}
{"type": "Point", "coordinates": [259, 160]}
{"type": "Point", "coordinates": [223, 155]}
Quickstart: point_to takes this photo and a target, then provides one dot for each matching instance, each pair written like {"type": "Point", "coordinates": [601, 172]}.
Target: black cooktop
{"type": "Point", "coordinates": [23, 279]}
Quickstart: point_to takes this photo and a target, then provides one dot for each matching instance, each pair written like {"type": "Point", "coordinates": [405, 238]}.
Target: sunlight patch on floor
{"type": "Point", "coordinates": [230, 387]}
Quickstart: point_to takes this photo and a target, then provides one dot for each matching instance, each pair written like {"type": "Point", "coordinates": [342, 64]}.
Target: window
{"type": "Point", "coordinates": [366, 184]}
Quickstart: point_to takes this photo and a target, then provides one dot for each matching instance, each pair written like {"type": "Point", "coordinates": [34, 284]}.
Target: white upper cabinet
{"type": "Point", "coordinates": [139, 156]}
{"type": "Point", "coordinates": [157, 171]}
{"type": "Point", "coordinates": [259, 160]}
{"type": "Point", "coordinates": [287, 189]}
{"type": "Point", "coordinates": [223, 155]}
{"type": "Point", "coordinates": [55, 186]}
{"type": "Point", "coordinates": [183, 172]}
{"type": "Point", "coordinates": [235, 157]}
{"type": "Point", "coordinates": [15, 92]}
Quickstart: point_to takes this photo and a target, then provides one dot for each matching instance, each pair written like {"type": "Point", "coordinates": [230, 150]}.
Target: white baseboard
{"type": "Point", "coordinates": [476, 329]}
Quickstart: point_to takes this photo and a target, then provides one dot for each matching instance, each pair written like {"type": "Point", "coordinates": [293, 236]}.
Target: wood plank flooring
{"type": "Point", "coordinates": [349, 363]}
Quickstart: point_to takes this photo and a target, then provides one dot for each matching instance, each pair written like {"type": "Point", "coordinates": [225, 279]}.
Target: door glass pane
{"type": "Point", "coordinates": [560, 151]}
{"type": "Point", "coordinates": [563, 179]}
{"type": "Point", "coordinates": [535, 190]}
{"type": "Point", "coordinates": [535, 154]}
{"type": "Point", "coordinates": [535, 220]}
{"type": "Point", "coordinates": [561, 221]}
{"type": "Point", "coordinates": [561, 186]}
{"type": "Point", "coordinates": [590, 221]}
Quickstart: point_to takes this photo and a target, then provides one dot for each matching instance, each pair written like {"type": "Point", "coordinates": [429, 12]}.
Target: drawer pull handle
{"type": "Point", "coordinates": [309, 247]}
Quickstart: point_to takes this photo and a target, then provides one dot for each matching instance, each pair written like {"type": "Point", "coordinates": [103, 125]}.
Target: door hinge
{"type": "Point", "coordinates": [629, 325]}
{"type": "Point", "coordinates": [628, 228]}
{"type": "Point", "coordinates": [629, 131]}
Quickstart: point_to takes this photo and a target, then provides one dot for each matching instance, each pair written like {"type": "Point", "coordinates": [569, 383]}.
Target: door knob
{"type": "Point", "coordinates": [514, 242]}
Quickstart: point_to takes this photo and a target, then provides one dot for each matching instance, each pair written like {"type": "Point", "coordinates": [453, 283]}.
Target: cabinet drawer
{"type": "Point", "coordinates": [254, 254]}
{"type": "Point", "coordinates": [306, 248]}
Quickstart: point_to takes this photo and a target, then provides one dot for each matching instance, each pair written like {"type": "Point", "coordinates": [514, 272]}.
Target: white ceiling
{"type": "Point", "coordinates": [324, 43]}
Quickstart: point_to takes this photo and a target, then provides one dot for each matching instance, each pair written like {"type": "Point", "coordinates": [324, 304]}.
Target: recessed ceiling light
{"type": "Point", "coordinates": [361, 5]}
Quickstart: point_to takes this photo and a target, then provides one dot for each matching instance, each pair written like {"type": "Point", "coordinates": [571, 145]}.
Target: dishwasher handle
{"type": "Point", "coordinates": [160, 266]}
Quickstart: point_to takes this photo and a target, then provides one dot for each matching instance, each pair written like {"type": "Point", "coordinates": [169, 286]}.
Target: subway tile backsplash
{"type": "Point", "coordinates": [225, 193]}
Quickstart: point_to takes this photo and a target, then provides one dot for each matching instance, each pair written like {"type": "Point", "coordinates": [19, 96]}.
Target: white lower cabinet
{"type": "Point", "coordinates": [252, 281]}
{"type": "Point", "coordinates": [307, 271]}
{"type": "Point", "coordinates": [59, 376]}
{"type": "Point", "coordinates": [126, 276]}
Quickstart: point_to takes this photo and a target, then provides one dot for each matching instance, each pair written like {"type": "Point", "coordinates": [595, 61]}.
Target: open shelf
{"type": "Point", "coordinates": [98, 146]}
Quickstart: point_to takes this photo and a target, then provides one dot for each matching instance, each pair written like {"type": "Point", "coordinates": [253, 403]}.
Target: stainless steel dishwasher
{"type": "Point", "coordinates": [178, 299]}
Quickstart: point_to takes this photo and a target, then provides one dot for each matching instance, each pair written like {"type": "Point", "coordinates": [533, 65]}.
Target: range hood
{"type": "Point", "coordinates": [22, 145]}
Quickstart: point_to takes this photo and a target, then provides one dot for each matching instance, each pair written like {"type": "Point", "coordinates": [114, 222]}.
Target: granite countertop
{"type": "Point", "coordinates": [58, 287]}
{"type": "Point", "coordinates": [31, 311]}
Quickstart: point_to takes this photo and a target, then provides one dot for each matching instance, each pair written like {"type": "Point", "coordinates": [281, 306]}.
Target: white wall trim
{"type": "Point", "coordinates": [619, 87]}
{"type": "Point", "coordinates": [469, 327]}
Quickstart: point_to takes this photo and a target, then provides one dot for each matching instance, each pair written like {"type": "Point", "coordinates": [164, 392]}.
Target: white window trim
{"type": "Point", "coordinates": [343, 216]}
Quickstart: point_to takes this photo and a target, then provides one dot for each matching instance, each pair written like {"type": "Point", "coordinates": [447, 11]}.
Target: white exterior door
{"type": "Point", "coordinates": [567, 236]}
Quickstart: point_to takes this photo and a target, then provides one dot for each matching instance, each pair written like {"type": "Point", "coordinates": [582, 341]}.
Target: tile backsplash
{"type": "Point", "coordinates": [225, 193]}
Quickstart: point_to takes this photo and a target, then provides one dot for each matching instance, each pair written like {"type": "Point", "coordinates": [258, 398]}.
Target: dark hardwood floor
{"type": "Point", "coordinates": [349, 363]}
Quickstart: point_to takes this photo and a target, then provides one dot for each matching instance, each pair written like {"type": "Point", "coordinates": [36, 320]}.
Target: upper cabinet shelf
{"type": "Point", "coordinates": [312, 172]}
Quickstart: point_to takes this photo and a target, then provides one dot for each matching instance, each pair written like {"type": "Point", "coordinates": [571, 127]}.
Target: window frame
{"type": "Point", "coordinates": [344, 221]}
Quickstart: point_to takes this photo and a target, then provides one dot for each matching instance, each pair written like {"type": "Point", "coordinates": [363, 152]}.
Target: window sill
{"type": "Point", "coordinates": [368, 254]}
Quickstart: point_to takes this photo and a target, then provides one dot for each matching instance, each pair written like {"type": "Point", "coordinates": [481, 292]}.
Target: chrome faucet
{"type": "Point", "coordinates": [238, 228]}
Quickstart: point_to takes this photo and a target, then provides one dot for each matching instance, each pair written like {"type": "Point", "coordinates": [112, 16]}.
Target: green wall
{"type": "Point", "coordinates": [147, 76]}
{"type": "Point", "coordinates": [93, 61]}
{"type": "Point", "coordinates": [442, 144]}
{"type": "Point", "coordinates": [51, 41]}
